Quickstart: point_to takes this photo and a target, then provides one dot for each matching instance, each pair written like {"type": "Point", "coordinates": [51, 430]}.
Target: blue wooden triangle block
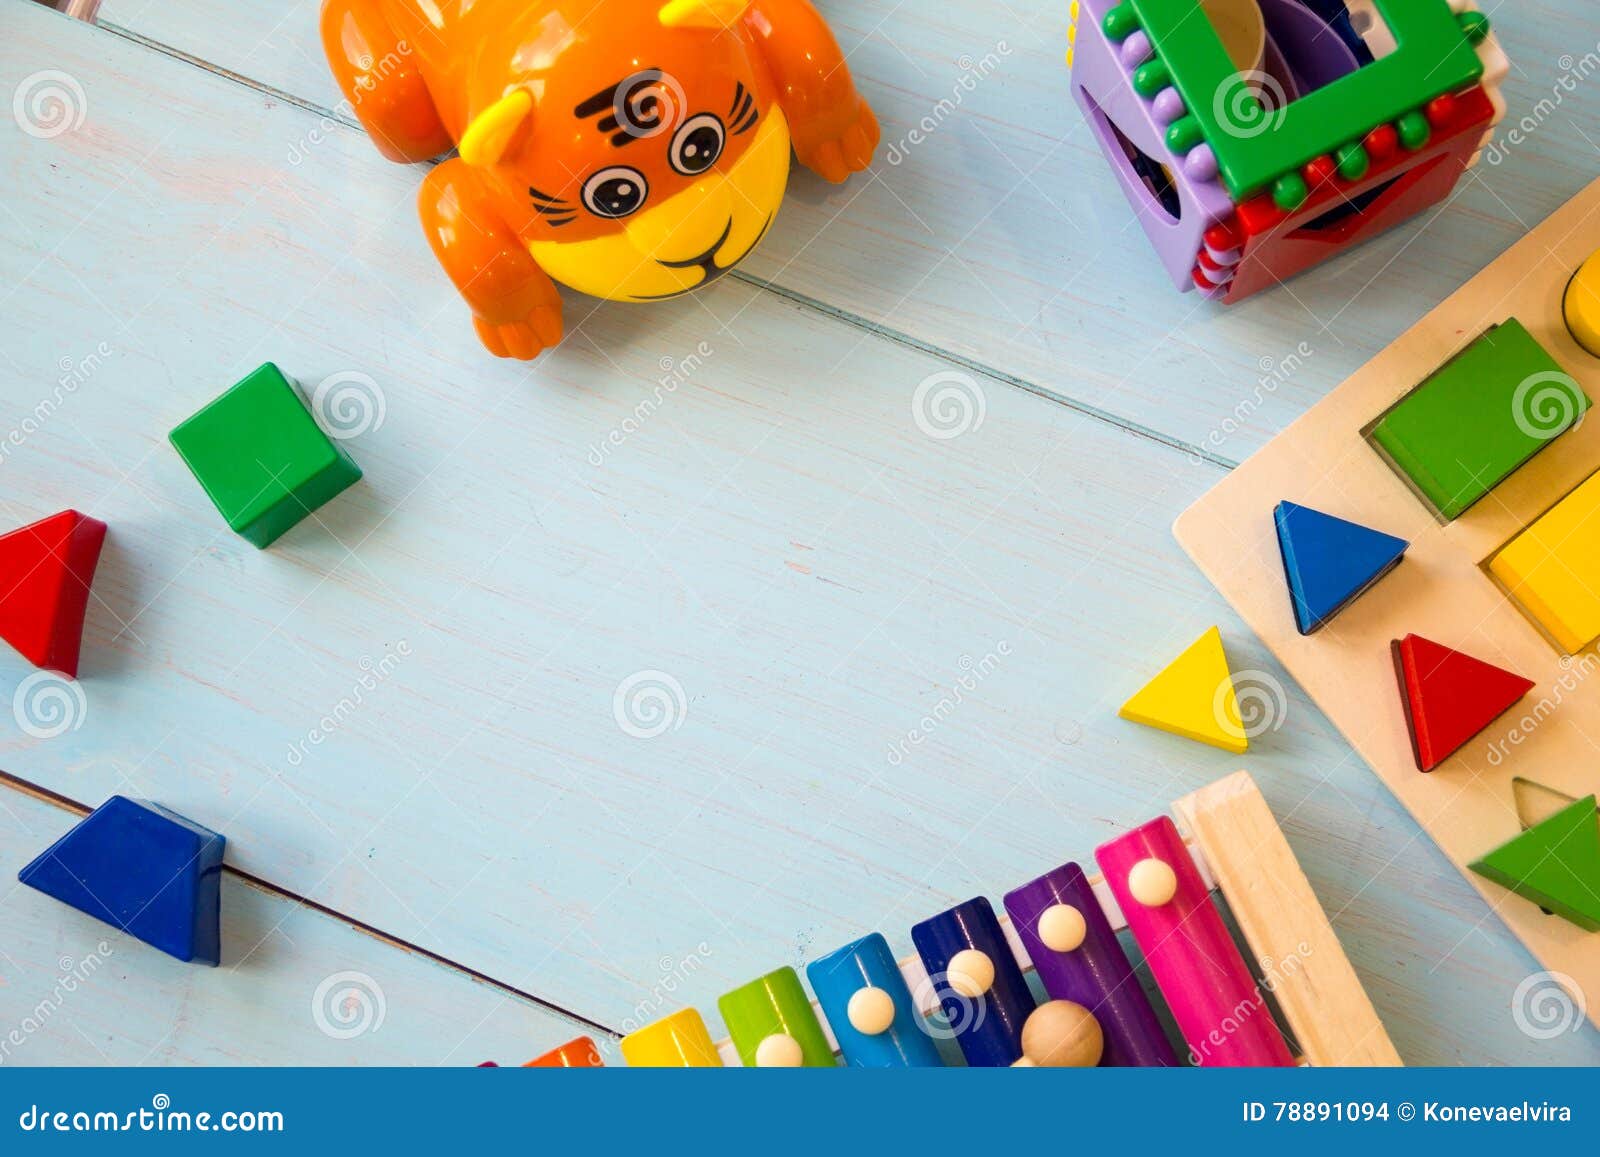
{"type": "Point", "coordinates": [1330, 562]}
{"type": "Point", "coordinates": [143, 869]}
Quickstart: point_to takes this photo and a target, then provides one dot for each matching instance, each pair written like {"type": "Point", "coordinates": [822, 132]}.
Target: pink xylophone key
{"type": "Point", "coordinates": [1222, 1015]}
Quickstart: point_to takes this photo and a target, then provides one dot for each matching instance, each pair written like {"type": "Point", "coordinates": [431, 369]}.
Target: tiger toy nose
{"type": "Point", "coordinates": [685, 225]}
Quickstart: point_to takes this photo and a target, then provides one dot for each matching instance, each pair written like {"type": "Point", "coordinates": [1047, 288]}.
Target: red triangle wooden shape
{"type": "Point", "coordinates": [45, 572]}
{"type": "Point", "coordinates": [1449, 697]}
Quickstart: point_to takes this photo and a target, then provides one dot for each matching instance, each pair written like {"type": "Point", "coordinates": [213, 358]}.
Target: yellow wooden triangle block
{"type": "Point", "coordinates": [1193, 698]}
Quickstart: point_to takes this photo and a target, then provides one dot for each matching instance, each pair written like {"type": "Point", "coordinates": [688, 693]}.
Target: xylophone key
{"type": "Point", "coordinates": [578, 1053]}
{"type": "Point", "coordinates": [679, 1041]}
{"type": "Point", "coordinates": [773, 1025]}
{"type": "Point", "coordinates": [1076, 954]}
{"type": "Point", "coordinates": [869, 1007]}
{"type": "Point", "coordinates": [979, 984]}
{"type": "Point", "coordinates": [1213, 997]}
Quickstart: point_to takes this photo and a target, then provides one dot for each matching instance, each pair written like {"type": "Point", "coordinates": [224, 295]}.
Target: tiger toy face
{"type": "Point", "coordinates": [629, 149]}
{"type": "Point", "coordinates": [653, 181]}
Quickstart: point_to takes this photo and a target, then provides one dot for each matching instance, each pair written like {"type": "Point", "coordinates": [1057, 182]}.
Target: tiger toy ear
{"type": "Point", "coordinates": [702, 13]}
{"type": "Point", "coordinates": [486, 138]}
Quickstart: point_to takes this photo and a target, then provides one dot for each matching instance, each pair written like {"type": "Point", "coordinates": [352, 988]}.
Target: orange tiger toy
{"type": "Point", "coordinates": [631, 149]}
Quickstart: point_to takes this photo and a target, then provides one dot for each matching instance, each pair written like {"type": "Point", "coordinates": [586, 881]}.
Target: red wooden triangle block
{"type": "Point", "coordinates": [45, 572]}
{"type": "Point", "coordinates": [1449, 697]}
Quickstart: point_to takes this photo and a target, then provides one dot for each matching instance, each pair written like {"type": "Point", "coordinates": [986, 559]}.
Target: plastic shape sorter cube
{"type": "Point", "coordinates": [1257, 138]}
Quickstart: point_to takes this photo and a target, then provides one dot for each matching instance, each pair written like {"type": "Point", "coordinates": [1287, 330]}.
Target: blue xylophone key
{"type": "Point", "coordinates": [869, 1007]}
{"type": "Point", "coordinates": [979, 984]}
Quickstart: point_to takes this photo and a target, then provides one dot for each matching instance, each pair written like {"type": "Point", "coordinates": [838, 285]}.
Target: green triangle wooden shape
{"type": "Point", "coordinates": [1555, 863]}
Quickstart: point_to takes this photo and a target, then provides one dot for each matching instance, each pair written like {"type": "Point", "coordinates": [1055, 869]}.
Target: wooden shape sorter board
{"type": "Point", "coordinates": [1442, 589]}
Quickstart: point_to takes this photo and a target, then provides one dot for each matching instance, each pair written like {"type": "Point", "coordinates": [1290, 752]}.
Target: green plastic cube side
{"type": "Point", "coordinates": [774, 1003]}
{"type": "Point", "coordinates": [1435, 56]}
{"type": "Point", "coordinates": [1479, 417]}
{"type": "Point", "coordinates": [261, 457]}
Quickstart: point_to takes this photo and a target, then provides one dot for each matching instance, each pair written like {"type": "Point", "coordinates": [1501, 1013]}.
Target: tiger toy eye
{"type": "Point", "coordinates": [697, 145]}
{"type": "Point", "coordinates": [615, 192]}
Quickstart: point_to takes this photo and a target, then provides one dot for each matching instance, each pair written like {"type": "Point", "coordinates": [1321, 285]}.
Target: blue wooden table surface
{"type": "Point", "coordinates": [785, 555]}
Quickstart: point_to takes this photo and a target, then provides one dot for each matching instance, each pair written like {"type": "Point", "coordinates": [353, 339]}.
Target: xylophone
{"type": "Point", "coordinates": [1467, 667]}
{"type": "Point", "coordinates": [971, 963]}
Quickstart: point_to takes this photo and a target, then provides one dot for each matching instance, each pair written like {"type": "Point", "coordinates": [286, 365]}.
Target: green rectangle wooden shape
{"type": "Point", "coordinates": [1434, 57]}
{"type": "Point", "coordinates": [261, 457]}
{"type": "Point", "coordinates": [1478, 417]}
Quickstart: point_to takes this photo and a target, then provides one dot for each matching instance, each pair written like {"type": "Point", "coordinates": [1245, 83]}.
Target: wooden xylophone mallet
{"type": "Point", "coordinates": [970, 965]}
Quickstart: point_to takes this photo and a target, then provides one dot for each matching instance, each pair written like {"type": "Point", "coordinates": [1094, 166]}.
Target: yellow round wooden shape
{"type": "Point", "coordinates": [1152, 882]}
{"type": "Point", "coordinates": [1062, 1035]}
{"type": "Point", "coordinates": [1582, 305]}
{"type": "Point", "coordinates": [870, 1011]}
{"type": "Point", "coordinates": [779, 1051]}
{"type": "Point", "coordinates": [1061, 928]}
{"type": "Point", "coordinates": [970, 973]}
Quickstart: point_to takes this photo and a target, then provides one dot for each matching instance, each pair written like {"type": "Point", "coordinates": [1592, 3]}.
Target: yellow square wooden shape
{"type": "Point", "coordinates": [1553, 568]}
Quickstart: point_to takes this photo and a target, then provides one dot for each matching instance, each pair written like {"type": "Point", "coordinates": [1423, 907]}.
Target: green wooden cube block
{"type": "Point", "coordinates": [1478, 417]}
{"type": "Point", "coordinates": [261, 456]}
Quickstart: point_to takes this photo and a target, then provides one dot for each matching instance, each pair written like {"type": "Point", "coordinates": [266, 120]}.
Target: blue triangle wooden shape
{"type": "Point", "coordinates": [1329, 562]}
{"type": "Point", "coordinates": [143, 869]}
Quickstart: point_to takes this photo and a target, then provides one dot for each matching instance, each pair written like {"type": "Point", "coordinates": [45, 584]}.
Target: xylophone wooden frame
{"type": "Point", "coordinates": [1241, 851]}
